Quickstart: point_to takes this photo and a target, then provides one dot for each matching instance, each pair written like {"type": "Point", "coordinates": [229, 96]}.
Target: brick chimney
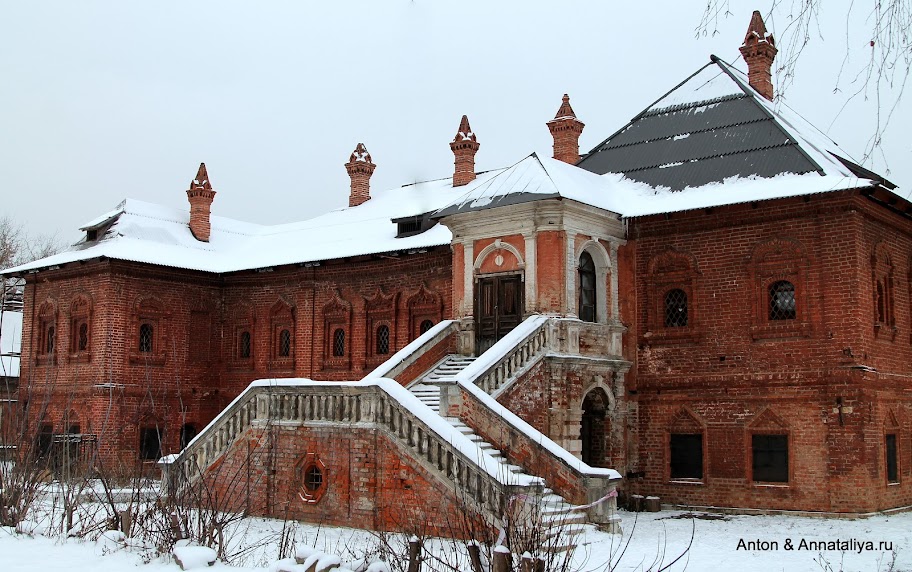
{"type": "Point", "coordinates": [200, 195]}
{"type": "Point", "coordinates": [759, 51]}
{"type": "Point", "coordinates": [566, 129]}
{"type": "Point", "coordinates": [464, 147]}
{"type": "Point", "coordinates": [360, 169]}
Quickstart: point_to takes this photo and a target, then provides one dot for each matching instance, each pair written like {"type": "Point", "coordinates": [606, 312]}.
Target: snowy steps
{"type": "Point", "coordinates": [561, 527]}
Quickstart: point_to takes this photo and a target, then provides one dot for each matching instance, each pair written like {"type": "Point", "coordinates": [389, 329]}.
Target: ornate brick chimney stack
{"type": "Point", "coordinates": [360, 169]}
{"type": "Point", "coordinates": [200, 195]}
{"type": "Point", "coordinates": [566, 129]}
{"type": "Point", "coordinates": [464, 147]}
{"type": "Point", "coordinates": [759, 51]}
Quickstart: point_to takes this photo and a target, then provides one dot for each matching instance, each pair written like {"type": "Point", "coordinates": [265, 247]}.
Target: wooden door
{"type": "Point", "coordinates": [498, 309]}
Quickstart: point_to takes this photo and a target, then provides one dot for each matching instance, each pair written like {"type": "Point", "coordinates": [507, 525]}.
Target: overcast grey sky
{"type": "Point", "coordinates": [100, 101]}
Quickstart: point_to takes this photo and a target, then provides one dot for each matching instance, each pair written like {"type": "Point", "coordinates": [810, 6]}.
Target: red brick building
{"type": "Point", "coordinates": [714, 301]}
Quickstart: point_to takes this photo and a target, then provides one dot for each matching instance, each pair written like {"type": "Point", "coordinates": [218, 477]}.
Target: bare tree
{"type": "Point", "coordinates": [877, 32]}
{"type": "Point", "coordinates": [17, 246]}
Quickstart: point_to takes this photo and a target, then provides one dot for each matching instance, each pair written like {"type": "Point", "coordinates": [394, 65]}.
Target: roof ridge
{"type": "Point", "coordinates": [681, 106]}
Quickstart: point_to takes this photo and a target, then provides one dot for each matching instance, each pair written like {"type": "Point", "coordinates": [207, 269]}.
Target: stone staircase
{"type": "Point", "coordinates": [559, 525]}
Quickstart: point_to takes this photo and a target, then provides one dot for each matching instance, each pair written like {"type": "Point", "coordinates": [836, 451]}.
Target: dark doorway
{"type": "Point", "coordinates": [498, 309]}
{"type": "Point", "coordinates": [595, 428]}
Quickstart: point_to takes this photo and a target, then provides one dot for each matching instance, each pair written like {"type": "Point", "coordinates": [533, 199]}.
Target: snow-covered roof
{"type": "Point", "coordinates": [714, 140]}
{"type": "Point", "coordinates": [536, 178]}
{"type": "Point", "coordinates": [138, 231]}
{"type": "Point", "coordinates": [10, 343]}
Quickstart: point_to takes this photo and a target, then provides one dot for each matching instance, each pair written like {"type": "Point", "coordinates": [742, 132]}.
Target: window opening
{"type": "Point", "coordinates": [284, 343]}
{"type": "Point", "coordinates": [770, 458]}
{"type": "Point", "coordinates": [383, 340]}
{"type": "Point", "coordinates": [244, 349]}
{"type": "Point", "coordinates": [150, 443]}
{"type": "Point", "coordinates": [51, 338]}
{"type": "Point", "coordinates": [145, 338]}
{"type": "Point", "coordinates": [83, 342]}
{"type": "Point", "coordinates": [313, 479]}
{"type": "Point", "coordinates": [425, 326]}
{"type": "Point", "coordinates": [339, 343]}
{"type": "Point", "coordinates": [675, 308]}
{"type": "Point", "coordinates": [782, 301]}
{"type": "Point", "coordinates": [892, 466]}
{"type": "Point", "coordinates": [686, 456]}
{"type": "Point", "coordinates": [587, 288]}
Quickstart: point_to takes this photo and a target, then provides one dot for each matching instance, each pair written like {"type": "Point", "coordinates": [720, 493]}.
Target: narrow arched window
{"type": "Point", "coordinates": [425, 326]}
{"type": "Point", "coordinates": [881, 303]}
{"type": "Point", "coordinates": [587, 288]}
{"type": "Point", "coordinates": [51, 339]}
{"type": "Point", "coordinates": [145, 338]}
{"type": "Point", "coordinates": [782, 301]}
{"type": "Point", "coordinates": [675, 308]}
{"type": "Point", "coordinates": [244, 345]}
{"type": "Point", "coordinates": [383, 340]}
{"type": "Point", "coordinates": [338, 343]}
{"type": "Point", "coordinates": [83, 343]}
{"type": "Point", "coordinates": [284, 343]}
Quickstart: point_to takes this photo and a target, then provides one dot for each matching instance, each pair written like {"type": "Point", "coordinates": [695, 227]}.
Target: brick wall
{"type": "Point", "coordinates": [195, 367]}
{"type": "Point", "coordinates": [733, 371]}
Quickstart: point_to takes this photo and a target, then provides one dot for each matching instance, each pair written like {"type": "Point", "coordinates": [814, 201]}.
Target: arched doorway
{"type": "Point", "coordinates": [595, 428]}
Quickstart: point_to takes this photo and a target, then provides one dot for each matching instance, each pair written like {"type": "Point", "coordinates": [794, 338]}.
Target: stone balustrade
{"type": "Point", "coordinates": [382, 404]}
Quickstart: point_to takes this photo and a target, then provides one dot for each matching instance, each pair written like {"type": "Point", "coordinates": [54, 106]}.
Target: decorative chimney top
{"type": "Point", "coordinates": [464, 147]}
{"type": "Point", "coordinates": [360, 168]}
{"type": "Point", "coordinates": [759, 51]}
{"type": "Point", "coordinates": [200, 195]}
{"type": "Point", "coordinates": [566, 129]}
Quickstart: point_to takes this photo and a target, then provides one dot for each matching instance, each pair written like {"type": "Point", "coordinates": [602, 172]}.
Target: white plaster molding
{"type": "Point", "coordinates": [494, 247]}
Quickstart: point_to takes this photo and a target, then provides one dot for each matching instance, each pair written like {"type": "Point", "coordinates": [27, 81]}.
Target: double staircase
{"type": "Point", "coordinates": [549, 512]}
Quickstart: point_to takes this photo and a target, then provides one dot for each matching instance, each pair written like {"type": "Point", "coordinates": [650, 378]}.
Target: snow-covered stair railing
{"type": "Point", "coordinates": [446, 452]}
{"type": "Point", "coordinates": [511, 356]}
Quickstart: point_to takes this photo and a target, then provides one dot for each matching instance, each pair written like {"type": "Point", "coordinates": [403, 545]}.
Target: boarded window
{"type": "Point", "coordinates": [770, 458]}
{"type": "Point", "coordinates": [686, 456]}
{"type": "Point", "coordinates": [199, 336]}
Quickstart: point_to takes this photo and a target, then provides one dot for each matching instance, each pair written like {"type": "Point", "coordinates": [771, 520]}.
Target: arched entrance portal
{"type": "Point", "coordinates": [595, 428]}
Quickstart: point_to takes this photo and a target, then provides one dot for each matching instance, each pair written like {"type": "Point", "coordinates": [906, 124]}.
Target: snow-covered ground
{"type": "Point", "coordinates": [656, 540]}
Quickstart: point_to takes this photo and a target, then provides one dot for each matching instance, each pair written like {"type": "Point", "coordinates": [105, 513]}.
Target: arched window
{"type": "Point", "coordinates": [425, 326]}
{"type": "Point", "coordinates": [82, 342]}
{"type": "Point", "coordinates": [50, 340]}
{"type": "Point", "coordinates": [145, 338]}
{"type": "Point", "coordinates": [284, 343]}
{"type": "Point", "coordinates": [782, 301]}
{"type": "Point", "coordinates": [675, 308]}
{"type": "Point", "coordinates": [587, 288]}
{"type": "Point", "coordinates": [383, 340]}
{"type": "Point", "coordinates": [339, 343]}
{"type": "Point", "coordinates": [244, 345]}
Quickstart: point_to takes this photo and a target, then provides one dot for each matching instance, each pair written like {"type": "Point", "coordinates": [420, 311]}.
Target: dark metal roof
{"type": "Point", "coordinates": [690, 144]}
